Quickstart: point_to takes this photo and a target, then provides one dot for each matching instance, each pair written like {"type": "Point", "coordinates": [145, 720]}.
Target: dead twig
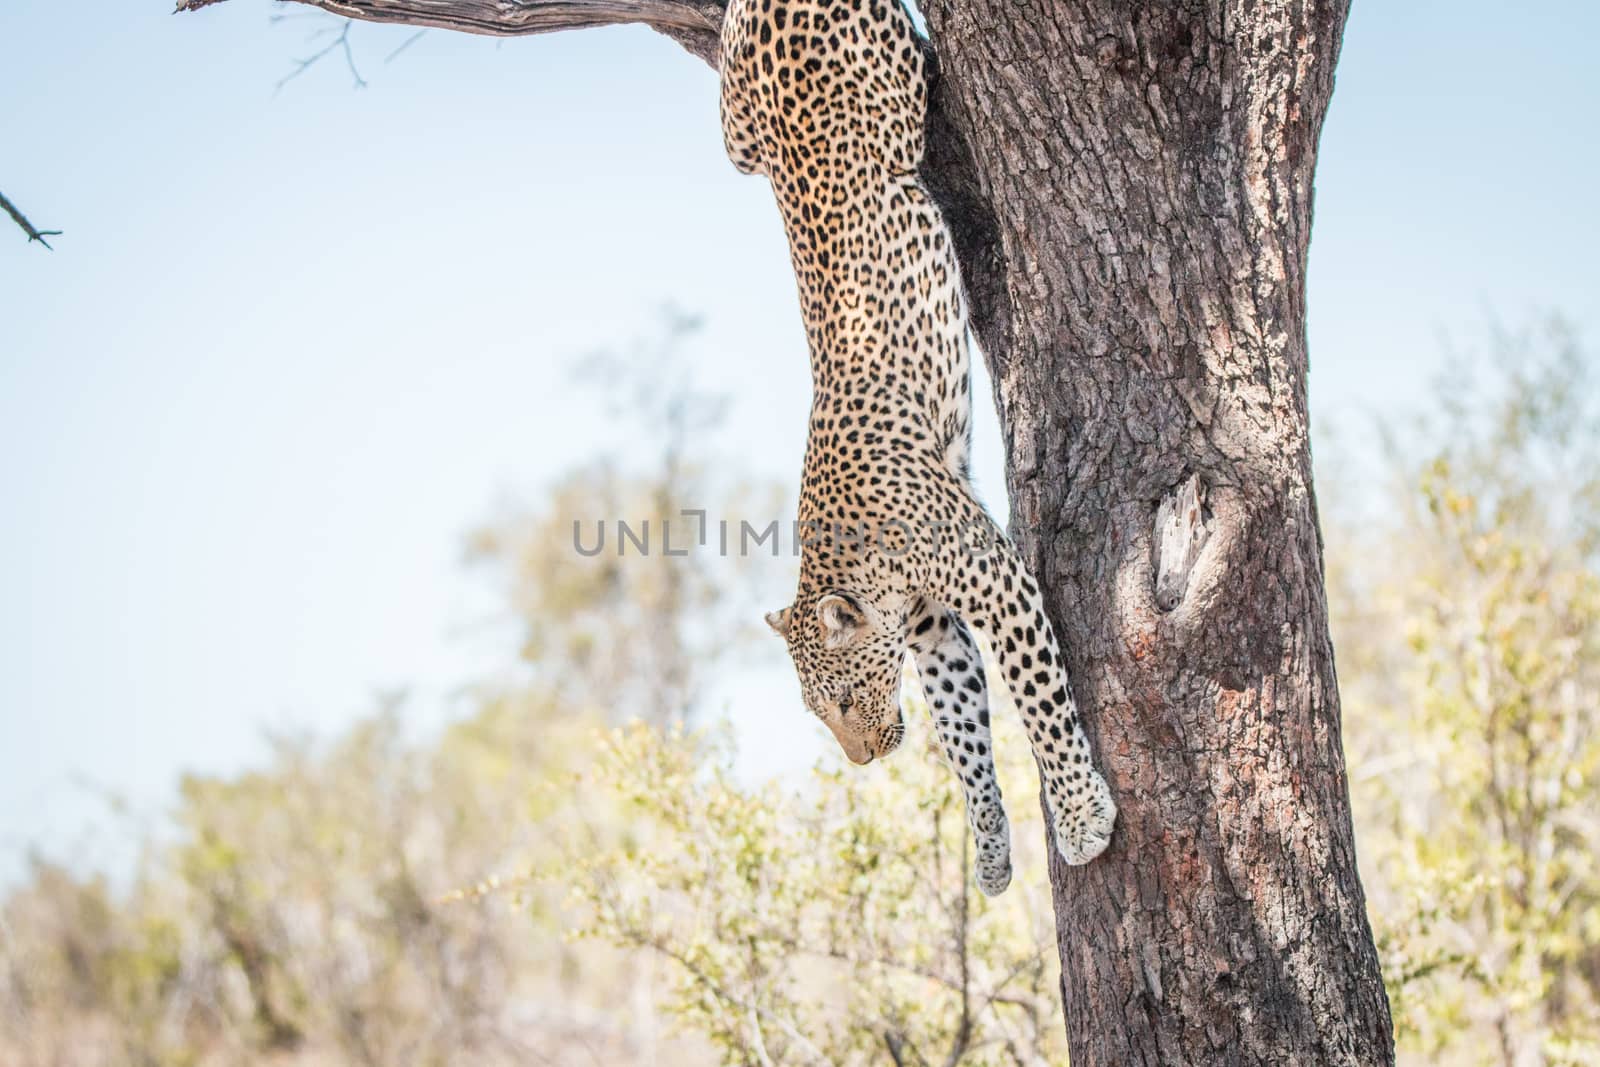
{"type": "Point", "coordinates": [409, 41]}
{"type": "Point", "coordinates": [342, 42]}
{"type": "Point", "coordinates": [34, 234]}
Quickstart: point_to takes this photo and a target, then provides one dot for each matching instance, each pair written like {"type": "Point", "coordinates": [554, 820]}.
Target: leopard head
{"type": "Point", "coordinates": [848, 656]}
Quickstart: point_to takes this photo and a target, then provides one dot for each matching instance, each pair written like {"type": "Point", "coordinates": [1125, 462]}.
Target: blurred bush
{"type": "Point", "coordinates": [1466, 611]}
{"type": "Point", "coordinates": [835, 922]}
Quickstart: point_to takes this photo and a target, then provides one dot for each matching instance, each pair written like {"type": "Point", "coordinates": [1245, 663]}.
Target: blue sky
{"type": "Point", "coordinates": [293, 344]}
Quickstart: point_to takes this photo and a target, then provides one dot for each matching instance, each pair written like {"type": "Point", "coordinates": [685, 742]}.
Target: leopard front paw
{"type": "Point", "coordinates": [994, 863]}
{"type": "Point", "coordinates": [991, 833]}
{"type": "Point", "coordinates": [1083, 821]}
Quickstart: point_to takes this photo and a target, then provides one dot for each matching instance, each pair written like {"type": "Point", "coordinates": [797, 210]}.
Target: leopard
{"type": "Point", "coordinates": [828, 99]}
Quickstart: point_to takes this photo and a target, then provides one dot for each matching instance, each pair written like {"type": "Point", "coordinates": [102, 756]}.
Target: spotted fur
{"type": "Point", "coordinates": [827, 99]}
{"type": "Point", "coordinates": [951, 670]}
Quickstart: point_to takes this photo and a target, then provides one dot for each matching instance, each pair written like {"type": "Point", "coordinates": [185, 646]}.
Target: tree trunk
{"type": "Point", "coordinates": [1134, 183]}
{"type": "Point", "coordinates": [1130, 189]}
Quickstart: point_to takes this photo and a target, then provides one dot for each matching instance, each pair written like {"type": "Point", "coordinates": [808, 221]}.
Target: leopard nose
{"type": "Point", "coordinates": [859, 753]}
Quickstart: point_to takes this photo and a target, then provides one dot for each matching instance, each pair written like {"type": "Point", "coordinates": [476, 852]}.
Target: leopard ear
{"type": "Point", "coordinates": [842, 620]}
{"type": "Point", "coordinates": [779, 621]}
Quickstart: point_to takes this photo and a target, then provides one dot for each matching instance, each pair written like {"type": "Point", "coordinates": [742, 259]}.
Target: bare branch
{"type": "Point", "coordinates": [27, 227]}
{"type": "Point", "coordinates": [695, 24]}
{"type": "Point", "coordinates": [409, 41]}
{"type": "Point", "coordinates": [341, 41]}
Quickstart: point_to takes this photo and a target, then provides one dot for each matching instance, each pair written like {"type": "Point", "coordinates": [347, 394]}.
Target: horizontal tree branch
{"type": "Point", "coordinates": [695, 24]}
{"type": "Point", "coordinates": [28, 228]}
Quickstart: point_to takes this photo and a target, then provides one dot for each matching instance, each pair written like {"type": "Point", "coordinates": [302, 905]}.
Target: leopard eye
{"type": "Point", "coordinates": [844, 704]}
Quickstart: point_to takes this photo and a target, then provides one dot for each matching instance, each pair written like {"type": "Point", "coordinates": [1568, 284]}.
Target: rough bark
{"type": "Point", "coordinates": [1147, 169]}
{"type": "Point", "coordinates": [1130, 189]}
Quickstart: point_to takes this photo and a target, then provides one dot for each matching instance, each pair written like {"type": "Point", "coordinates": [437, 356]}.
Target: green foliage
{"type": "Point", "coordinates": [835, 922]}
{"type": "Point", "coordinates": [1473, 717]}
